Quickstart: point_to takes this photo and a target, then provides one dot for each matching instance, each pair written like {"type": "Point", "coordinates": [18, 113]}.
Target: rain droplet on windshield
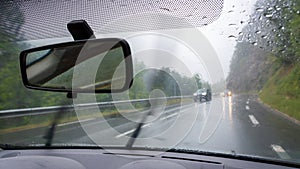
{"type": "Point", "coordinates": [258, 32]}
{"type": "Point", "coordinates": [254, 43]}
{"type": "Point", "coordinates": [264, 36]}
{"type": "Point", "coordinates": [166, 9]}
{"type": "Point", "coordinates": [259, 9]}
{"type": "Point", "coordinates": [269, 15]}
{"type": "Point", "coordinates": [232, 37]}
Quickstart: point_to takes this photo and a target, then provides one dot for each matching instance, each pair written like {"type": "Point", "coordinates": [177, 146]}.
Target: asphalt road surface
{"type": "Point", "coordinates": [235, 125]}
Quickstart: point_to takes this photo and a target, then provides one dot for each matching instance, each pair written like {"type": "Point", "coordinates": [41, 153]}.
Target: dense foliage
{"type": "Point", "coordinates": [266, 60]}
{"type": "Point", "coordinates": [268, 42]}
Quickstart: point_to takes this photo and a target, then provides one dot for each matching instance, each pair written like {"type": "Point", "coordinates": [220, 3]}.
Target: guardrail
{"type": "Point", "coordinates": [53, 109]}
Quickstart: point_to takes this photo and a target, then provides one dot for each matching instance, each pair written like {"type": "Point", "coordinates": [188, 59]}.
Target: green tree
{"type": "Point", "coordinates": [13, 94]}
{"type": "Point", "coordinates": [198, 81]}
{"type": "Point", "coordinates": [275, 27]}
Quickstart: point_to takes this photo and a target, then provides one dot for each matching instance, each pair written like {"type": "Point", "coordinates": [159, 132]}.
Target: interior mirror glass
{"type": "Point", "coordinates": [99, 65]}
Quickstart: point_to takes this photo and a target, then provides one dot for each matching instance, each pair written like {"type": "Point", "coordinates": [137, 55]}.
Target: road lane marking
{"type": "Point", "coordinates": [247, 107]}
{"type": "Point", "coordinates": [132, 130]}
{"type": "Point", "coordinates": [253, 120]}
{"type": "Point", "coordinates": [148, 124]}
{"type": "Point", "coordinates": [168, 116]}
{"type": "Point", "coordinates": [280, 151]}
{"type": "Point", "coordinates": [124, 134]}
{"type": "Point", "coordinates": [73, 122]}
{"type": "Point", "coordinates": [247, 102]}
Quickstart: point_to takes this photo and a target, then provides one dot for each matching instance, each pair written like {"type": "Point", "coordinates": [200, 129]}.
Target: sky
{"type": "Point", "coordinates": [234, 17]}
{"type": "Point", "coordinates": [205, 50]}
{"type": "Point", "coordinates": [221, 36]}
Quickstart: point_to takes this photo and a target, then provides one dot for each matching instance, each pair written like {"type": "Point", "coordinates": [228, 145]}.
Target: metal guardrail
{"type": "Point", "coordinates": [53, 109]}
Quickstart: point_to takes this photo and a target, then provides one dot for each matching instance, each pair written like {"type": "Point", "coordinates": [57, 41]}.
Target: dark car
{"type": "Point", "coordinates": [202, 94]}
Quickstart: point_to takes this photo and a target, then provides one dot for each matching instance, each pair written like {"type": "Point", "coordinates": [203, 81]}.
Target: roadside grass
{"type": "Point", "coordinates": [30, 122]}
{"type": "Point", "coordinates": [282, 91]}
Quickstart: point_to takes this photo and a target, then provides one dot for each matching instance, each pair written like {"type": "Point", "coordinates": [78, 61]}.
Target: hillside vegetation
{"type": "Point", "coordinates": [267, 60]}
{"type": "Point", "coordinates": [282, 91]}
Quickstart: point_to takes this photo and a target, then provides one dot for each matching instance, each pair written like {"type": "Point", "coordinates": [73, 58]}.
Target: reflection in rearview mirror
{"type": "Point", "coordinates": [99, 65]}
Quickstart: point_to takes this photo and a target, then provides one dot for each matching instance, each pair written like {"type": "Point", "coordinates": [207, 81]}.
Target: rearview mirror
{"type": "Point", "coordinates": [97, 65]}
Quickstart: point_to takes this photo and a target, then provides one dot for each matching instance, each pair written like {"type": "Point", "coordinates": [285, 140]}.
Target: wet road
{"type": "Point", "coordinates": [235, 125]}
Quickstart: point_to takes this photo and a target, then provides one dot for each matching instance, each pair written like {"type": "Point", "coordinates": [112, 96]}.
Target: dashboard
{"type": "Point", "coordinates": [120, 159]}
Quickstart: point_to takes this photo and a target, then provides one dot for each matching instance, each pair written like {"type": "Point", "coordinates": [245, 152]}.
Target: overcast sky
{"type": "Point", "coordinates": [234, 17]}
{"type": "Point", "coordinates": [220, 34]}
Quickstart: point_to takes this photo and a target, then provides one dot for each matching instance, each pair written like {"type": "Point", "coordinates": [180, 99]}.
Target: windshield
{"type": "Point", "coordinates": [245, 52]}
{"type": "Point", "coordinates": [201, 90]}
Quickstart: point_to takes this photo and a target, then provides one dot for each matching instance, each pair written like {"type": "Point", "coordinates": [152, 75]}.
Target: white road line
{"type": "Point", "coordinates": [132, 130]}
{"type": "Point", "coordinates": [124, 134]}
{"type": "Point", "coordinates": [253, 120]}
{"type": "Point", "coordinates": [247, 102]}
{"type": "Point", "coordinates": [247, 107]}
{"type": "Point", "coordinates": [280, 151]}
{"type": "Point", "coordinates": [73, 122]}
{"type": "Point", "coordinates": [169, 116]}
{"type": "Point", "coordinates": [148, 124]}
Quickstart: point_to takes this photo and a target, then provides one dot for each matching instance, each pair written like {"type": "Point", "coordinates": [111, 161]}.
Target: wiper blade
{"type": "Point", "coordinates": [136, 132]}
{"type": "Point", "coordinates": [50, 132]}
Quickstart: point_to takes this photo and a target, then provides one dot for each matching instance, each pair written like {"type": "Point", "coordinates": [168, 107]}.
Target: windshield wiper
{"type": "Point", "coordinates": [136, 132]}
{"type": "Point", "coordinates": [50, 132]}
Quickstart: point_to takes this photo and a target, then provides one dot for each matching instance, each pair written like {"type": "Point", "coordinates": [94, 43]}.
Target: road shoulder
{"type": "Point", "coordinates": [268, 107]}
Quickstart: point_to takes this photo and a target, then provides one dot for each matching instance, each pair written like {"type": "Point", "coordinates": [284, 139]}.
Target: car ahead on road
{"type": "Point", "coordinates": [92, 84]}
{"type": "Point", "coordinates": [202, 94]}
